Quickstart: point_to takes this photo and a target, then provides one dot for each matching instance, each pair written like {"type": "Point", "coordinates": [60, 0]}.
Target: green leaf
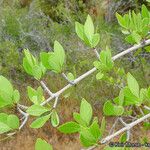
{"type": "Point", "coordinates": [44, 57]}
{"type": "Point", "coordinates": [145, 12]}
{"type": "Point", "coordinates": [28, 62]}
{"type": "Point", "coordinates": [97, 64]}
{"type": "Point", "coordinates": [99, 76]}
{"type": "Point", "coordinates": [133, 85]}
{"type": "Point", "coordinates": [95, 130]}
{"type": "Point", "coordinates": [121, 97]}
{"type": "Point", "coordinates": [89, 28]}
{"type": "Point", "coordinates": [121, 20]}
{"type": "Point", "coordinates": [6, 86]}
{"type": "Point", "coordinates": [86, 111]}
{"type": "Point", "coordinates": [13, 121]}
{"type": "Point", "coordinates": [57, 58]}
{"type": "Point", "coordinates": [39, 122]}
{"type": "Point", "coordinates": [6, 93]}
{"type": "Point", "coordinates": [70, 76]}
{"type": "Point", "coordinates": [69, 127]}
{"type": "Point", "coordinates": [106, 60]}
{"type": "Point", "coordinates": [3, 117]}
{"type": "Point", "coordinates": [86, 137]}
{"type": "Point", "coordinates": [8, 122]}
{"type": "Point", "coordinates": [78, 119]}
{"type": "Point", "coordinates": [95, 39]}
{"type": "Point", "coordinates": [112, 110]}
{"type": "Point", "coordinates": [16, 96]}
{"type": "Point", "coordinates": [123, 138]}
{"type": "Point", "coordinates": [54, 119]}
{"type": "Point", "coordinates": [36, 96]}
{"type": "Point", "coordinates": [130, 98]}
{"type": "Point", "coordinates": [37, 72]}
{"type": "Point", "coordinates": [4, 128]}
{"type": "Point", "coordinates": [103, 126]}
{"type": "Point", "coordinates": [36, 110]}
{"type": "Point", "coordinates": [32, 66]}
{"type": "Point", "coordinates": [42, 145]}
{"type": "Point", "coordinates": [137, 38]}
{"type": "Point", "coordinates": [79, 30]}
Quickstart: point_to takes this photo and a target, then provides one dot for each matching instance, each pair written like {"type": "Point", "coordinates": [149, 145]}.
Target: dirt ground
{"type": "Point", "coordinates": [25, 139]}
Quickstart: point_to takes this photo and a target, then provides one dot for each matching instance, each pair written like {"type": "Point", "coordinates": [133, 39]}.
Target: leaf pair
{"type": "Point", "coordinates": [104, 64]}
{"type": "Point", "coordinates": [32, 66]}
{"type": "Point", "coordinates": [43, 115]}
{"type": "Point", "coordinates": [135, 26]}
{"type": "Point", "coordinates": [8, 95]}
{"type": "Point", "coordinates": [8, 123]}
{"type": "Point", "coordinates": [36, 96]}
{"type": "Point", "coordinates": [54, 61]}
{"type": "Point", "coordinates": [86, 32]}
{"type": "Point", "coordinates": [42, 144]}
{"type": "Point", "coordinates": [90, 133]}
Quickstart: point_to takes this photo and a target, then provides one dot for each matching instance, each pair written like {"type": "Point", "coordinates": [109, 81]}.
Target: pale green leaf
{"type": "Point", "coordinates": [89, 28]}
{"type": "Point", "coordinates": [69, 127]}
{"type": "Point", "coordinates": [42, 145]}
{"type": "Point", "coordinates": [54, 119]}
{"type": "Point", "coordinates": [13, 121]}
{"type": "Point", "coordinates": [86, 111]}
{"type": "Point", "coordinates": [133, 85]}
{"type": "Point", "coordinates": [36, 110]}
{"type": "Point", "coordinates": [39, 122]}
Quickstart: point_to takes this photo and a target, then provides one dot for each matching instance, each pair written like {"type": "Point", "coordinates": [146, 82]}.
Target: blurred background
{"type": "Point", "coordinates": [36, 24]}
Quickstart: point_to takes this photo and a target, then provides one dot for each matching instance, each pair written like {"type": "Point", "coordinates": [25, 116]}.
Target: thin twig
{"type": "Point", "coordinates": [65, 77]}
{"type": "Point", "coordinates": [125, 124]}
{"type": "Point", "coordinates": [46, 88]}
{"type": "Point", "coordinates": [146, 107]}
{"type": "Point", "coordinates": [113, 127]}
{"type": "Point", "coordinates": [22, 106]}
{"type": "Point", "coordinates": [96, 53]}
{"type": "Point", "coordinates": [56, 102]}
{"type": "Point", "coordinates": [128, 127]}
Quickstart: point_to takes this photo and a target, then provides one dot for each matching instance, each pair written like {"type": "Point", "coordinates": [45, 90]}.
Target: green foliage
{"type": "Point", "coordinates": [86, 32]}
{"type": "Point", "coordinates": [105, 64]}
{"type": "Point", "coordinates": [36, 110]}
{"type": "Point", "coordinates": [36, 96]}
{"type": "Point", "coordinates": [8, 122]}
{"type": "Point", "coordinates": [135, 26]}
{"type": "Point", "coordinates": [86, 112]}
{"type": "Point", "coordinates": [54, 61]}
{"type": "Point", "coordinates": [32, 66]}
{"type": "Point", "coordinates": [8, 96]}
{"type": "Point", "coordinates": [70, 76]}
{"type": "Point", "coordinates": [42, 144]}
{"type": "Point", "coordinates": [54, 118]}
{"type": "Point", "coordinates": [69, 127]}
{"type": "Point", "coordinates": [40, 121]}
{"type": "Point", "coordinates": [89, 129]}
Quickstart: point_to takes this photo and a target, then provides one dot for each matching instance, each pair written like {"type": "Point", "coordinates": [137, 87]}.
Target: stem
{"type": "Point", "coordinates": [65, 77]}
{"type": "Point", "coordinates": [96, 53]}
{"type": "Point", "coordinates": [126, 128]}
{"type": "Point", "coordinates": [46, 88]}
{"type": "Point", "coordinates": [125, 124]}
